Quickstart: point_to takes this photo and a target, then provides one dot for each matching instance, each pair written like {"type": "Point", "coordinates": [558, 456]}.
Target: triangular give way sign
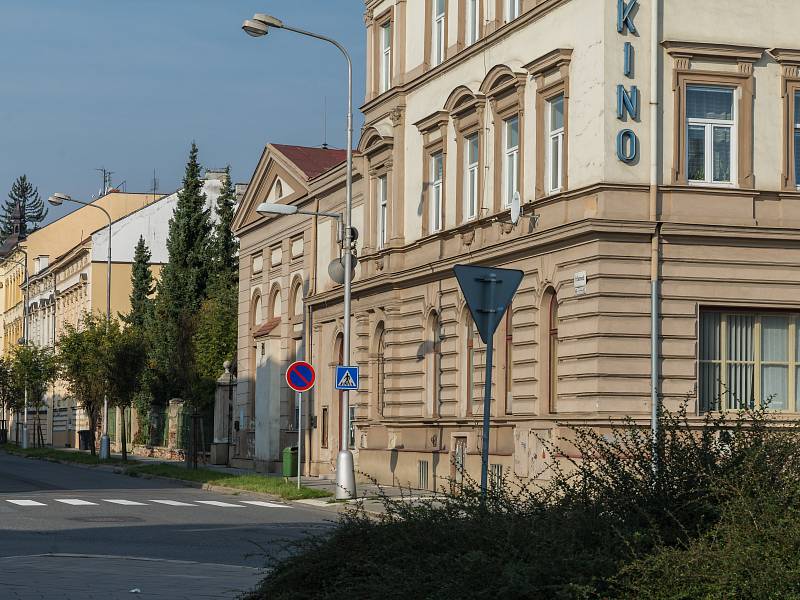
{"type": "Point", "coordinates": [488, 292]}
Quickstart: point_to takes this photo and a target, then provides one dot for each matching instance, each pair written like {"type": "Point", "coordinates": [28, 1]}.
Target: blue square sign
{"type": "Point", "coordinates": [346, 378]}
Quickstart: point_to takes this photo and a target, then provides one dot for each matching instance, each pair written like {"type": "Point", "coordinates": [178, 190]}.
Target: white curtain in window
{"type": "Point", "coordinates": [741, 357]}
{"type": "Point", "coordinates": [775, 349]}
{"type": "Point", "coordinates": [710, 357]}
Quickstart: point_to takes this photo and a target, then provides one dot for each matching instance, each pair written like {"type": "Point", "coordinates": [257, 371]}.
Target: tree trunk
{"type": "Point", "coordinates": [123, 438]}
{"type": "Point", "coordinates": [93, 429]}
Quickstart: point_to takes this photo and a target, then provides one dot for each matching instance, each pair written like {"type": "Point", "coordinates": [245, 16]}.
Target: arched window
{"type": "Point", "coordinates": [468, 364]}
{"type": "Point", "coordinates": [258, 314]}
{"type": "Point", "coordinates": [380, 383]}
{"type": "Point", "coordinates": [278, 189]}
{"type": "Point", "coordinates": [433, 366]}
{"type": "Point", "coordinates": [509, 360]}
{"type": "Point", "coordinates": [549, 349]}
{"type": "Point", "coordinates": [275, 307]}
{"type": "Point", "coordinates": [297, 302]}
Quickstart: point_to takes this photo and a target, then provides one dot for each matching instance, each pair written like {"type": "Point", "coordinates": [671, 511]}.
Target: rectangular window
{"type": "Point", "coordinates": [711, 124]}
{"type": "Point", "coordinates": [510, 159]}
{"type": "Point", "coordinates": [324, 441]}
{"type": "Point", "coordinates": [437, 181]}
{"type": "Point", "coordinates": [796, 129]}
{"type": "Point", "coordinates": [472, 21]}
{"type": "Point", "coordinates": [352, 422]}
{"type": "Point", "coordinates": [749, 359]}
{"type": "Point", "coordinates": [386, 56]}
{"type": "Point", "coordinates": [383, 211]}
{"type": "Point", "coordinates": [512, 10]}
{"type": "Point", "coordinates": [471, 158]}
{"type": "Point", "coordinates": [555, 145]}
{"type": "Point", "coordinates": [438, 47]}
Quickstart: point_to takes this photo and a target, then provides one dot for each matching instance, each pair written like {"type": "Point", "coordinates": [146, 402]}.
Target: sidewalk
{"type": "Point", "coordinates": [369, 493]}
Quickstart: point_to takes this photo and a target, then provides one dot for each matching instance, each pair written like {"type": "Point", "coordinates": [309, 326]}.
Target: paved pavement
{"type": "Point", "coordinates": [74, 533]}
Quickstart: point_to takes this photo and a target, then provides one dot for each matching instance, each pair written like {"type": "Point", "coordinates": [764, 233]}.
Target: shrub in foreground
{"type": "Point", "coordinates": [605, 525]}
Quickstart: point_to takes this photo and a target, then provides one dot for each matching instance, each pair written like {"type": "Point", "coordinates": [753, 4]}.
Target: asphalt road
{"type": "Point", "coordinates": [75, 533]}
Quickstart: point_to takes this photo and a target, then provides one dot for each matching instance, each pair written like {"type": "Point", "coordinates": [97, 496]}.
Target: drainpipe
{"type": "Point", "coordinates": [655, 243]}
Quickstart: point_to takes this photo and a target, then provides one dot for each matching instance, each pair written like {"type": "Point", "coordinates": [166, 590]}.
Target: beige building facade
{"type": "Point", "coordinates": [655, 148]}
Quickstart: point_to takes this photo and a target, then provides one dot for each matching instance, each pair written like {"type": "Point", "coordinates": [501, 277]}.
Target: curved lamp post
{"type": "Point", "coordinates": [259, 26]}
{"type": "Point", "coordinates": [58, 200]}
{"type": "Point", "coordinates": [24, 339]}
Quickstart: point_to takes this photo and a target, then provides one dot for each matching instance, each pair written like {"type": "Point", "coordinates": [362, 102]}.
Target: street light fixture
{"type": "Point", "coordinates": [58, 199]}
{"type": "Point", "coordinates": [345, 474]}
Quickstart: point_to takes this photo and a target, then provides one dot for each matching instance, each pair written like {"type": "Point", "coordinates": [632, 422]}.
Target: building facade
{"type": "Point", "coordinates": [655, 148]}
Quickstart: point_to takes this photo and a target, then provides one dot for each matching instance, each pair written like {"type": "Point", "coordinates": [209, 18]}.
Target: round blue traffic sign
{"type": "Point", "coordinates": [300, 376]}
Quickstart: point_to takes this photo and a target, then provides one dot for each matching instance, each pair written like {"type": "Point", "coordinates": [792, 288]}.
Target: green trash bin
{"type": "Point", "coordinates": [290, 461]}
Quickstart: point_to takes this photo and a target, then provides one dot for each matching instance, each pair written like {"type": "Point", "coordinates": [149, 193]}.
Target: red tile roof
{"type": "Point", "coordinates": [312, 161]}
{"type": "Point", "coordinates": [267, 327]}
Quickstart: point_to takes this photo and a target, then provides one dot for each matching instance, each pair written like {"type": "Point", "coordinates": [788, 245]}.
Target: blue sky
{"type": "Point", "coordinates": [128, 84]}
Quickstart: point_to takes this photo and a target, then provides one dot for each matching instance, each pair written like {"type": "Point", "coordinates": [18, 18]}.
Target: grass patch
{"type": "Point", "coordinates": [61, 455]}
{"type": "Point", "coordinates": [248, 483]}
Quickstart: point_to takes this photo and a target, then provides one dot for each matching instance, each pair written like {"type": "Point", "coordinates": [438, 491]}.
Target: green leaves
{"type": "Point", "coordinates": [31, 207]}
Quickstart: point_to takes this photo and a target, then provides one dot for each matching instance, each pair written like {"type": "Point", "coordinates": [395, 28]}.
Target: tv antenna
{"type": "Point", "coordinates": [106, 180]}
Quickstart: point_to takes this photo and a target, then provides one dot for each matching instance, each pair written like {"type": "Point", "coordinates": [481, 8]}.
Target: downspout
{"type": "Point", "coordinates": [655, 242]}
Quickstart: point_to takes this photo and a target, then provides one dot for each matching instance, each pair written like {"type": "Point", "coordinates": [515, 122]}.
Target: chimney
{"type": "Point", "coordinates": [241, 190]}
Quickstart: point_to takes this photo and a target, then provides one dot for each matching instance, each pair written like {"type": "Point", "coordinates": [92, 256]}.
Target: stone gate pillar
{"type": "Point", "coordinates": [223, 405]}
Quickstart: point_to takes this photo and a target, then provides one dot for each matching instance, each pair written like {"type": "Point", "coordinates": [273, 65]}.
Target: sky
{"type": "Point", "coordinates": [129, 84]}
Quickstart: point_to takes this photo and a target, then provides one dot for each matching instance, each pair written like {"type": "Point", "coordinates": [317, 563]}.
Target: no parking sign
{"type": "Point", "coordinates": [300, 376]}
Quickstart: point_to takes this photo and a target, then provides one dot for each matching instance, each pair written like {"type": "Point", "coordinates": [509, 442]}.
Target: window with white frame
{"type": "Point", "coordinates": [438, 46]}
{"type": "Point", "coordinates": [386, 56]}
{"type": "Point", "coordinates": [797, 138]}
{"type": "Point", "coordinates": [512, 10]}
{"type": "Point", "coordinates": [472, 22]}
{"type": "Point", "coordinates": [437, 181]}
{"type": "Point", "coordinates": [510, 159]}
{"type": "Point", "coordinates": [711, 130]}
{"type": "Point", "coordinates": [749, 359]}
{"type": "Point", "coordinates": [471, 160]}
{"type": "Point", "coordinates": [555, 144]}
{"type": "Point", "coordinates": [383, 211]}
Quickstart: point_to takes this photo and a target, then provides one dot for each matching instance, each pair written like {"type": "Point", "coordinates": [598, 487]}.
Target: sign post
{"type": "Point", "coordinates": [488, 292]}
{"type": "Point", "coordinates": [300, 376]}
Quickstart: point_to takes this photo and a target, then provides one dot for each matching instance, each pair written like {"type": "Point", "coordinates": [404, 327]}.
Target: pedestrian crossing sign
{"type": "Point", "coordinates": [346, 378]}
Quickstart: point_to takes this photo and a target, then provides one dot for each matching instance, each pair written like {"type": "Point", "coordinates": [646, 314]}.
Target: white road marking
{"type": "Point", "coordinates": [126, 502]}
{"type": "Point", "coordinates": [265, 504]}
{"type": "Point", "coordinates": [76, 502]}
{"type": "Point", "coordinates": [26, 502]}
{"type": "Point", "coordinates": [173, 503]}
{"type": "Point", "coordinates": [222, 504]}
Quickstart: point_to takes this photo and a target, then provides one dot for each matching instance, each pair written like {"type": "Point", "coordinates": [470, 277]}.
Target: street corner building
{"type": "Point", "coordinates": [655, 148]}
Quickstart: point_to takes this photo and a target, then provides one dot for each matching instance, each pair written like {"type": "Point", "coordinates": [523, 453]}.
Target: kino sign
{"type": "Point", "coordinates": [627, 99]}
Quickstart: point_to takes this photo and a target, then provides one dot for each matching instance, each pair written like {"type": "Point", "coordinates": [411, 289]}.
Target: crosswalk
{"type": "Point", "coordinates": [29, 502]}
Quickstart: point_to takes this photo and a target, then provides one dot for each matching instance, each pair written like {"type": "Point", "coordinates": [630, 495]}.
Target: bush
{"type": "Point", "coordinates": [603, 526]}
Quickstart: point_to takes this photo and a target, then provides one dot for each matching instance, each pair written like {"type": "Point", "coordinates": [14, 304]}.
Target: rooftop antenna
{"type": "Point", "coordinates": [324, 122]}
{"type": "Point", "coordinates": [154, 187]}
{"type": "Point", "coordinates": [106, 180]}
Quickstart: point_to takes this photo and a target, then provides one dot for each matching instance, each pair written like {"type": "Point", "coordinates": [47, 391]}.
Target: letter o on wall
{"type": "Point", "coordinates": [627, 145]}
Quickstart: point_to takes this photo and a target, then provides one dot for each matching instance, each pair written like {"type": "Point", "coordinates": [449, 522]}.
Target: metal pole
{"type": "Point", "coordinates": [299, 435]}
{"type": "Point", "coordinates": [487, 408]}
{"type": "Point", "coordinates": [25, 328]}
{"type": "Point", "coordinates": [105, 441]}
{"type": "Point", "coordinates": [345, 473]}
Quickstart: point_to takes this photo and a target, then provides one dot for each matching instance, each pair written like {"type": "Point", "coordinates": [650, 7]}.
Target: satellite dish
{"type": "Point", "coordinates": [516, 208]}
{"type": "Point", "coordinates": [336, 269]}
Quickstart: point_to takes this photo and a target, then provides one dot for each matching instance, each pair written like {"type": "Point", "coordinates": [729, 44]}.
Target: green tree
{"type": "Point", "coordinates": [32, 209]}
{"type": "Point", "coordinates": [142, 287]}
{"type": "Point", "coordinates": [182, 289]}
{"type": "Point", "coordinates": [217, 321]}
{"type": "Point", "coordinates": [126, 359]}
{"type": "Point", "coordinates": [83, 360]}
{"type": "Point", "coordinates": [36, 368]}
{"type": "Point", "coordinates": [9, 391]}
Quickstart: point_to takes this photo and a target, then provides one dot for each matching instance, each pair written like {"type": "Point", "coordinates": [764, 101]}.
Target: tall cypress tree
{"type": "Point", "coordinates": [183, 286]}
{"type": "Point", "coordinates": [32, 209]}
{"type": "Point", "coordinates": [141, 286]}
{"type": "Point", "coordinates": [225, 247]}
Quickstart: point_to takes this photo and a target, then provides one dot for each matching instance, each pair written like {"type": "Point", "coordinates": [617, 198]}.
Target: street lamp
{"type": "Point", "coordinates": [345, 475]}
{"type": "Point", "coordinates": [24, 340]}
{"type": "Point", "coordinates": [57, 200]}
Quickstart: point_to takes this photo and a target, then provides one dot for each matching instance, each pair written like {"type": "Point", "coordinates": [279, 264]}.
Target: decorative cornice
{"type": "Point", "coordinates": [433, 122]}
{"type": "Point", "coordinates": [678, 49]}
{"type": "Point", "coordinates": [549, 62]}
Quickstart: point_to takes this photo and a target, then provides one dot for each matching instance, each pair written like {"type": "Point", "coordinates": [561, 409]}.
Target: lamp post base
{"type": "Point", "coordinates": [345, 476]}
{"type": "Point", "coordinates": [105, 447]}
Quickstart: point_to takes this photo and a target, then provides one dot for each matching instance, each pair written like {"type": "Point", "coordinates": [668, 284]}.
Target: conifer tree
{"type": "Point", "coordinates": [141, 286]}
{"type": "Point", "coordinates": [225, 247]}
{"type": "Point", "coordinates": [32, 209]}
{"type": "Point", "coordinates": [182, 288]}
